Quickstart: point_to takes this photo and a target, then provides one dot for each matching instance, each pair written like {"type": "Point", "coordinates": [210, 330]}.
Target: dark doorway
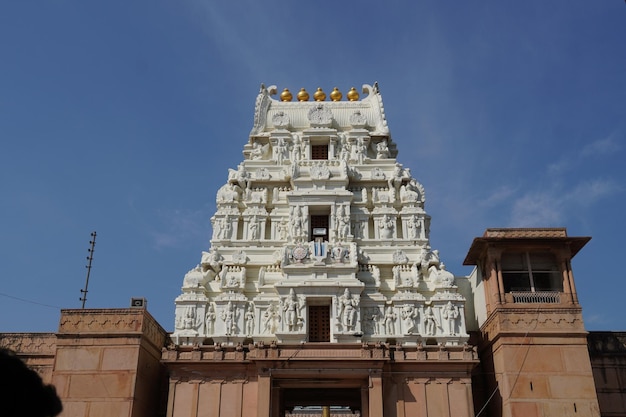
{"type": "Point", "coordinates": [319, 226]}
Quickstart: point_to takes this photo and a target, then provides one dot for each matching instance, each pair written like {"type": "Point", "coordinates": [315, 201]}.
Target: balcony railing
{"type": "Point", "coordinates": [536, 297]}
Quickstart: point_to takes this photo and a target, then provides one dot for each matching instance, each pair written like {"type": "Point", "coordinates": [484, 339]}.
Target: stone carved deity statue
{"type": "Point", "coordinates": [291, 308]}
{"type": "Point", "coordinates": [415, 228]}
{"type": "Point", "coordinates": [450, 314]}
{"type": "Point", "coordinates": [211, 263]}
{"type": "Point", "coordinates": [297, 223]}
{"type": "Point", "coordinates": [240, 177]}
{"type": "Point", "coordinates": [254, 228]}
{"type": "Point", "coordinates": [249, 321]}
{"type": "Point", "coordinates": [258, 151]}
{"type": "Point", "coordinates": [296, 150]}
{"type": "Point", "coordinates": [280, 151]}
{"type": "Point", "coordinates": [382, 150]}
{"type": "Point", "coordinates": [410, 193]}
{"type": "Point", "coordinates": [359, 151]}
{"type": "Point", "coordinates": [271, 319]}
{"type": "Point", "coordinates": [386, 226]}
{"type": "Point", "coordinates": [430, 321]}
{"type": "Point", "coordinates": [347, 311]}
{"type": "Point", "coordinates": [409, 314]}
{"type": "Point", "coordinates": [189, 321]}
{"type": "Point", "coordinates": [229, 316]}
{"type": "Point", "coordinates": [389, 321]}
{"type": "Point", "coordinates": [210, 320]}
{"type": "Point", "coordinates": [395, 181]}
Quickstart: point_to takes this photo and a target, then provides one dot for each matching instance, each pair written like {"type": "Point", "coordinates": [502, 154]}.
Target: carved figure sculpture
{"type": "Point", "coordinates": [343, 223]}
{"type": "Point", "coordinates": [370, 320]}
{"type": "Point", "coordinates": [271, 319]}
{"type": "Point", "coordinates": [344, 154]}
{"type": "Point", "coordinates": [283, 230]}
{"type": "Point", "coordinates": [291, 308]}
{"type": "Point", "coordinates": [445, 278]}
{"type": "Point", "coordinates": [296, 150]}
{"type": "Point", "coordinates": [210, 320]}
{"type": "Point", "coordinates": [410, 193]}
{"type": "Point", "coordinates": [430, 321]}
{"type": "Point", "coordinates": [389, 321]}
{"type": "Point", "coordinates": [395, 181]}
{"type": "Point", "coordinates": [254, 228]}
{"type": "Point", "coordinates": [222, 229]}
{"type": "Point", "coordinates": [211, 263]}
{"type": "Point", "coordinates": [258, 151]}
{"type": "Point", "coordinates": [189, 320]}
{"type": "Point", "coordinates": [386, 226]}
{"type": "Point", "coordinates": [228, 193]}
{"type": "Point", "coordinates": [249, 321]}
{"type": "Point", "coordinates": [382, 150]}
{"type": "Point", "coordinates": [409, 314]}
{"type": "Point", "coordinates": [280, 150]}
{"type": "Point", "coordinates": [358, 151]}
{"type": "Point", "coordinates": [239, 177]}
{"type": "Point", "coordinates": [414, 228]}
{"type": "Point", "coordinates": [450, 313]}
{"type": "Point", "coordinates": [229, 318]}
{"type": "Point", "coordinates": [297, 223]}
{"type": "Point", "coordinates": [348, 311]}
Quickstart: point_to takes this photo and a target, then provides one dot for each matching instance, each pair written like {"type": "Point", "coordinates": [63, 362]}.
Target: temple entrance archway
{"type": "Point", "coordinates": [322, 398]}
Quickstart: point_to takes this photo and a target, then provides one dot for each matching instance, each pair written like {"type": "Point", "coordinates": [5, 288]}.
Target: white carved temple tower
{"type": "Point", "coordinates": [320, 235]}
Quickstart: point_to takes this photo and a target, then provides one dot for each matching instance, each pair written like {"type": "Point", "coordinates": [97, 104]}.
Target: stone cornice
{"type": "Point", "coordinates": [40, 344]}
{"type": "Point", "coordinates": [81, 323]}
{"type": "Point", "coordinates": [554, 322]}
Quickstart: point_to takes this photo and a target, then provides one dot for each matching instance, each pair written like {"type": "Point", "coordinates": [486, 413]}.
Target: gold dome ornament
{"type": "Point", "coordinates": [335, 95]}
{"type": "Point", "coordinates": [303, 95]}
{"type": "Point", "coordinates": [319, 95]}
{"type": "Point", "coordinates": [353, 95]}
{"type": "Point", "coordinates": [286, 95]}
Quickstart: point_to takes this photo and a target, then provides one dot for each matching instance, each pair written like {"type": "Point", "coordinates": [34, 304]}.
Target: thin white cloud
{"type": "Point", "coordinates": [590, 192]}
{"type": "Point", "coordinates": [552, 206]}
{"type": "Point", "coordinates": [601, 147]}
{"type": "Point", "coordinates": [576, 158]}
{"type": "Point", "coordinates": [498, 196]}
{"type": "Point", "coordinates": [537, 209]}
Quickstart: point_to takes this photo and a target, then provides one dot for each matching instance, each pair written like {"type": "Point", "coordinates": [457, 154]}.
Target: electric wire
{"type": "Point", "coordinates": [28, 301]}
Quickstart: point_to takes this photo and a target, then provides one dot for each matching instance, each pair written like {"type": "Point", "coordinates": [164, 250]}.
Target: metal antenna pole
{"type": "Point", "coordinates": [91, 249]}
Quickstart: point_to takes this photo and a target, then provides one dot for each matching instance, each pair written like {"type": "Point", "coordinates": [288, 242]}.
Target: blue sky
{"type": "Point", "coordinates": [124, 116]}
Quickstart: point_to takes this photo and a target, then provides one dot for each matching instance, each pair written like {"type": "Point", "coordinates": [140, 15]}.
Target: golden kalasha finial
{"type": "Point", "coordinates": [335, 95]}
{"type": "Point", "coordinates": [286, 95]}
{"type": "Point", "coordinates": [353, 95]}
{"type": "Point", "coordinates": [319, 95]}
{"type": "Point", "coordinates": [303, 95]}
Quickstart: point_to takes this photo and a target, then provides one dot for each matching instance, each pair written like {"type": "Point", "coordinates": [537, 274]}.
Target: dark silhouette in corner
{"type": "Point", "coordinates": [22, 391]}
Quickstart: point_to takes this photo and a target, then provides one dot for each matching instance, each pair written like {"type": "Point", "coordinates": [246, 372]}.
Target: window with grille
{"type": "Point", "coordinates": [319, 323]}
{"type": "Point", "coordinates": [319, 151]}
{"type": "Point", "coordinates": [530, 271]}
